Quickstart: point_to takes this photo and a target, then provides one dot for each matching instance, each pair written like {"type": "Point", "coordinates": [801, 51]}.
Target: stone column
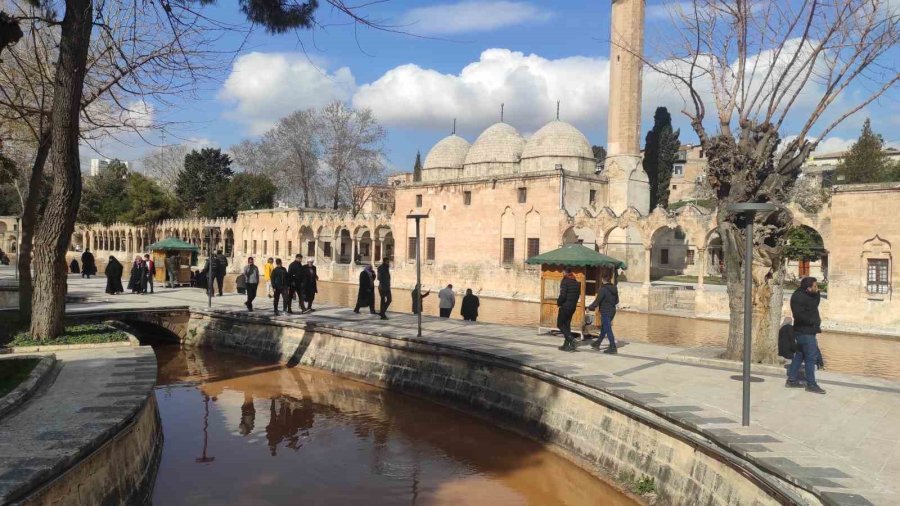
{"type": "Point", "coordinates": [702, 272]}
{"type": "Point", "coordinates": [648, 258]}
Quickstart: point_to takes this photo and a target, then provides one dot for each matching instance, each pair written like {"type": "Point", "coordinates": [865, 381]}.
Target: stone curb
{"type": "Point", "coordinates": [64, 347]}
{"type": "Point", "coordinates": [700, 356]}
{"type": "Point", "coordinates": [27, 388]}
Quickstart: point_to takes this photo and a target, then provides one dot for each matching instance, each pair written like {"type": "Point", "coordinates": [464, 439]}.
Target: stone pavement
{"type": "Point", "coordinates": [96, 392]}
{"type": "Point", "coordinates": [845, 445]}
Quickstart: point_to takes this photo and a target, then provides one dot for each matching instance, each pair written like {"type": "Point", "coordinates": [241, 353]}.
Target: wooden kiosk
{"type": "Point", "coordinates": [587, 265]}
{"type": "Point", "coordinates": [186, 253]}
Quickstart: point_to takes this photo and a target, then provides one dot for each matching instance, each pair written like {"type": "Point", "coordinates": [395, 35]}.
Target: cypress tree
{"type": "Point", "coordinates": [660, 149]}
{"type": "Point", "coordinates": [417, 168]}
{"type": "Point", "coordinates": [865, 161]}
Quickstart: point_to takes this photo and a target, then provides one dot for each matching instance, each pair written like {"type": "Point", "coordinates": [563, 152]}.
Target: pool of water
{"type": "Point", "coordinates": [239, 431]}
{"type": "Point", "coordinates": [847, 353]}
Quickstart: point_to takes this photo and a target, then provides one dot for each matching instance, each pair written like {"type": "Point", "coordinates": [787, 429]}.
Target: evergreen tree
{"type": "Point", "coordinates": [599, 153]}
{"type": "Point", "coordinates": [660, 151]}
{"type": "Point", "coordinates": [204, 176]}
{"type": "Point", "coordinates": [250, 191]}
{"type": "Point", "coordinates": [149, 202]}
{"type": "Point", "coordinates": [865, 161]}
{"type": "Point", "coordinates": [417, 168]}
{"type": "Point", "coordinates": [104, 198]}
{"type": "Point", "coordinates": [804, 243]}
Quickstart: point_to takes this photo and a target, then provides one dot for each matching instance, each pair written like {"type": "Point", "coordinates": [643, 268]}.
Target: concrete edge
{"type": "Point", "coordinates": [63, 347]}
{"type": "Point", "coordinates": [30, 385]}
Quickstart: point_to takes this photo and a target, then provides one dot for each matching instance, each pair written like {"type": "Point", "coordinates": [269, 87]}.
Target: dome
{"type": "Point", "coordinates": [499, 143]}
{"type": "Point", "coordinates": [558, 138]}
{"type": "Point", "coordinates": [449, 153]}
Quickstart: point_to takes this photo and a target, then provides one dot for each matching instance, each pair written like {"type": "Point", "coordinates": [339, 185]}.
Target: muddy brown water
{"type": "Point", "coordinates": [238, 431]}
{"type": "Point", "coordinates": [845, 353]}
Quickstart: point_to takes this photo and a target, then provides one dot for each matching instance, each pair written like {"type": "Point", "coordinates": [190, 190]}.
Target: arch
{"type": "Point", "coordinates": [581, 235]}
{"type": "Point", "coordinates": [344, 246]}
{"type": "Point", "coordinates": [805, 253]}
{"type": "Point", "coordinates": [671, 253]}
{"type": "Point", "coordinates": [229, 243]}
{"type": "Point", "coordinates": [627, 244]}
{"type": "Point", "coordinates": [715, 259]}
{"type": "Point", "coordinates": [2, 227]}
{"type": "Point", "coordinates": [877, 268]}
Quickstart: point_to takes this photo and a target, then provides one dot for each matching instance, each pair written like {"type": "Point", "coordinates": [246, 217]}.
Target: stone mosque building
{"type": "Point", "coordinates": [502, 198]}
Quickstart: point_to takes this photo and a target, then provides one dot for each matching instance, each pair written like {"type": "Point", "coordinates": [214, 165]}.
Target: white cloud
{"type": "Point", "coordinates": [666, 10]}
{"type": "Point", "coordinates": [471, 16]}
{"type": "Point", "coordinates": [832, 144]}
{"type": "Point", "coordinates": [267, 86]}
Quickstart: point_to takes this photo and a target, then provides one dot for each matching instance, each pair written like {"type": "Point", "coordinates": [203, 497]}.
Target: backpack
{"type": "Point", "coordinates": [787, 343]}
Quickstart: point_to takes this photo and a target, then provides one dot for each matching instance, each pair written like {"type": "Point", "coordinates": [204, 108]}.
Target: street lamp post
{"type": "Point", "coordinates": [18, 244]}
{"type": "Point", "coordinates": [749, 210]}
{"type": "Point", "coordinates": [418, 217]}
{"type": "Point", "coordinates": [209, 273]}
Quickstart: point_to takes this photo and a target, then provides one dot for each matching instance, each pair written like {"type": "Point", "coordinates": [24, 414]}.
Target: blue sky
{"type": "Point", "coordinates": [526, 54]}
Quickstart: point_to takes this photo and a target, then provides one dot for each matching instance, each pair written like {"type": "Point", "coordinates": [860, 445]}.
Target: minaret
{"type": "Point", "coordinates": [627, 181]}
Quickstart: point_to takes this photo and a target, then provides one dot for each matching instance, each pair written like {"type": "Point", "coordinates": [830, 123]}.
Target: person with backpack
{"type": "Point", "coordinates": [607, 300]}
{"type": "Point", "coordinates": [569, 295]}
{"type": "Point", "coordinates": [807, 323]}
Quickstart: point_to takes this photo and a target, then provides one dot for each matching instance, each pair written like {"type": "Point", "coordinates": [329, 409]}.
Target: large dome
{"type": "Point", "coordinates": [449, 153]}
{"type": "Point", "coordinates": [558, 138]}
{"type": "Point", "coordinates": [500, 143]}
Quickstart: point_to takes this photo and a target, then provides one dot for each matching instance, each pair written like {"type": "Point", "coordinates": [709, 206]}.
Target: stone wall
{"type": "Point", "coordinates": [604, 434]}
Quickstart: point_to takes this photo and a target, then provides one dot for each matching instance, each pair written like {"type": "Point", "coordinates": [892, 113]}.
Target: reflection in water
{"type": "Point", "coordinates": [274, 435]}
{"type": "Point", "coordinates": [846, 353]}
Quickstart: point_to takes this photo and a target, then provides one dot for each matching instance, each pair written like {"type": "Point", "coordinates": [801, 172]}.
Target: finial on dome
{"type": "Point", "coordinates": [557, 110]}
{"type": "Point", "coordinates": [501, 112]}
{"type": "Point", "coordinates": [454, 126]}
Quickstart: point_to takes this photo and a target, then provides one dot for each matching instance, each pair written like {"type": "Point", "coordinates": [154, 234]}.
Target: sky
{"type": "Point", "coordinates": [468, 58]}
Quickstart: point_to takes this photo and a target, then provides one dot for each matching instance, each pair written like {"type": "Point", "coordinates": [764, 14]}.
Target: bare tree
{"type": "Point", "coordinates": [354, 153]}
{"type": "Point", "coordinates": [748, 70]}
{"type": "Point", "coordinates": [163, 164]}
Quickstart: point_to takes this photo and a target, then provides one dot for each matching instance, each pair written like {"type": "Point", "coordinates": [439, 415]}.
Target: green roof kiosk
{"type": "Point", "coordinates": [587, 265]}
{"type": "Point", "coordinates": [186, 253]}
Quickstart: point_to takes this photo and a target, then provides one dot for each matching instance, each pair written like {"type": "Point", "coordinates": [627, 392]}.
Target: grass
{"type": "Point", "coordinates": [640, 486]}
{"type": "Point", "coordinates": [14, 371]}
{"type": "Point", "coordinates": [709, 280]}
{"type": "Point", "coordinates": [82, 333]}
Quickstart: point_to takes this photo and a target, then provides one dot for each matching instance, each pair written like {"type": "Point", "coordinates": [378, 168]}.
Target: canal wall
{"type": "Point", "coordinates": [603, 433]}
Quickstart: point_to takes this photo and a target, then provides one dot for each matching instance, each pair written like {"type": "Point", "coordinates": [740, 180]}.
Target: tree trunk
{"type": "Point", "coordinates": [58, 222]}
{"type": "Point", "coordinates": [768, 296]}
{"type": "Point", "coordinates": [28, 224]}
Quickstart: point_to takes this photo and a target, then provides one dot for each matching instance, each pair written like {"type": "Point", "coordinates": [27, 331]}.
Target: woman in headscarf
{"type": "Point", "coordinates": [138, 273]}
{"type": "Point", "coordinates": [113, 276]}
{"type": "Point", "coordinates": [73, 267]}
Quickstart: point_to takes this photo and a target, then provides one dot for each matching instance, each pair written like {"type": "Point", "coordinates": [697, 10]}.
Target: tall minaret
{"type": "Point", "coordinates": [627, 181]}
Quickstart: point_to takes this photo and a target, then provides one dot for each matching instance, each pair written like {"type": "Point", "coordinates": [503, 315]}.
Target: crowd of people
{"type": "Point", "coordinates": [284, 284]}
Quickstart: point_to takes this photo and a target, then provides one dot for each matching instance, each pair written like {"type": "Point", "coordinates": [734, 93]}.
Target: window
{"type": "Point", "coordinates": [467, 198]}
{"type": "Point", "coordinates": [311, 248]}
{"type": "Point", "coordinates": [418, 200]}
{"type": "Point", "coordinates": [326, 249]}
{"type": "Point", "coordinates": [254, 246]}
{"type": "Point", "coordinates": [674, 186]}
{"type": "Point", "coordinates": [509, 250]}
{"type": "Point", "coordinates": [679, 234]}
{"type": "Point", "coordinates": [429, 249]}
{"type": "Point", "coordinates": [690, 257]}
{"type": "Point", "coordinates": [276, 248]}
{"type": "Point", "coordinates": [265, 248]}
{"type": "Point", "coordinates": [290, 249]}
{"type": "Point", "coordinates": [411, 248]}
{"type": "Point", "coordinates": [592, 199]}
{"type": "Point", "coordinates": [523, 195]}
{"type": "Point", "coordinates": [664, 256]}
{"type": "Point", "coordinates": [678, 170]}
{"type": "Point", "coordinates": [878, 281]}
{"type": "Point", "coordinates": [245, 246]}
{"type": "Point", "coordinates": [534, 247]}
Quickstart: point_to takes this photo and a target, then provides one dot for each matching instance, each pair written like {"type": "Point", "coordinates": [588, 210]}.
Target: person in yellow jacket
{"type": "Point", "coordinates": [267, 275]}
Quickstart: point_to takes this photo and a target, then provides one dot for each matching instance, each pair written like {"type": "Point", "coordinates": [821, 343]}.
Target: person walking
{"type": "Point", "coordinates": [172, 270]}
{"type": "Point", "coordinates": [251, 275]}
{"type": "Point", "coordinates": [447, 299]}
{"type": "Point", "coordinates": [310, 284]}
{"type": "Point", "coordinates": [569, 295]}
{"type": "Point", "coordinates": [113, 274]}
{"type": "Point", "coordinates": [607, 300]}
{"type": "Point", "coordinates": [220, 267]}
{"type": "Point", "coordinates": [366, 294]}
{"type": "Point", "coordinates": [384, 286]}
{"type": "Point", "coordinates": [807, 323]}
{"type": "Point", "coordinates": [136, 276]}
{"type": "Point", "coordinates": [151, 271]}
{"type": "Point", "coordinates": [88, 265]}
{"type": "Point", "coordinates": [417, 302]}
{"type": "Point", "coordinates": [470, 304]}
{"type": "Point", "coordinates": [267, 275]}
{"type": "Point", "coordinates": [295, 279]}
{"type": "Point", "coordinates": [279, 284]}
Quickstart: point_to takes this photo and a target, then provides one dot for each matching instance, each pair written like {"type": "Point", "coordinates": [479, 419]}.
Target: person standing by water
{"type": "Point", "coordinates": [251, 275]}
{"type": "Point", "coordinates": [295, 280]}
{"type": "Point", "coordinates": [366, 294]}
{"type": "Point", "coordinates": [113, 273]}
{"type": "Point", "coordinates": [417, 302]}
{"type": "Point", "coordinates": [151, 271]}
{"type": "Point", "coordinates": [279, 284]}
{"type": "Point", "coordinates": [470, 304]}
{"type": "Point", "coordinates": [220, 267]}
{"type": "Point", "coordinates": [569, 295]}
{"type": "Point", "coordinates": [88, 267]}
{"type": "Point", "coordinates": [607, 300]}
{"type": "Point", "coordinates": [807, 323]}
{"type": "Point", "coordinates": [447, 299]}
{"type": "Point", "coordinates": [384, 286]}
{"type": "Point", "coordinates": [310, 284]}
{"type": "Point", "coordinates": [267, 275]}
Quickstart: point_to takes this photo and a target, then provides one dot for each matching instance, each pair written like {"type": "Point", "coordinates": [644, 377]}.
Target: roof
{"type": "Point", "coordinates": [449, 153]}
{"type": "Point", "coordinates": [499, 143]}
{"type": "Point", "coordinates": [576, 255]}
{"type": "Point", "coordinates": [172, 243]}
{"type": "Point", "coordinates": [558, 138]}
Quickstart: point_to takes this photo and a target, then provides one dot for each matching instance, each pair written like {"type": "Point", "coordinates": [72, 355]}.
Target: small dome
{"type": "Point", "coordinates": [449, 153]}
{"type": "Point", "coordinates": [499, 143]}
{"type": "Point", "coordinates": [558, 138]}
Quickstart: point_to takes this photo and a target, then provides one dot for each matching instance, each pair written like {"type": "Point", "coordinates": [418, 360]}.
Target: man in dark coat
{"type": "Point", "coordinates": [569, 295]}
{"type": "Point", "coordinates": [607, 299]}
{"type": "Point", "coordinates": [219, 267]}
{"type": "Point", "coordinates": [310, 284]}
{"type": "Point", "coordinates": [279, 280]}
{"type": "Point", "coordinates": [295, 277]}
{"type": "Point", "coordinates": [807, 323]}
{"type": "Point", "coordinates": [384, 286]}
{"type": "Point", "coordinates": [470, 304]}
{"type": "Point", "coordinates": [366, 295]}
{"type": "Point", "coordinates": [113, 273]}
{"type": "Point", "coordinates": [88, 267]}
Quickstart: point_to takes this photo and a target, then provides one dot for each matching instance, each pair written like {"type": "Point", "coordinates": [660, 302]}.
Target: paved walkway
{"type": "Point", "coordinates": [845, 444]}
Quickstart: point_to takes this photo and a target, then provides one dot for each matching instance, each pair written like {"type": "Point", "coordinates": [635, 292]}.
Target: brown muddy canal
{"type": "Point", "coordinates": [239, 431]}
{"type": "Point", "coordinates": [845, 353]}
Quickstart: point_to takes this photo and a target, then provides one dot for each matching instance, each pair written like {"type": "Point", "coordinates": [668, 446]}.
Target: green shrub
{"type": "Point", "coordinates": [82, 333]}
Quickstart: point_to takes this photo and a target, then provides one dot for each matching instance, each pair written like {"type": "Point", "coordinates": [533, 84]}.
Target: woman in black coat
{"type": "Point", "coordinates": [138, 275]}
{"type": "Point", "coordinates": [113, 276]}
{"type": "Point", "coordinates": [366, 295]}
